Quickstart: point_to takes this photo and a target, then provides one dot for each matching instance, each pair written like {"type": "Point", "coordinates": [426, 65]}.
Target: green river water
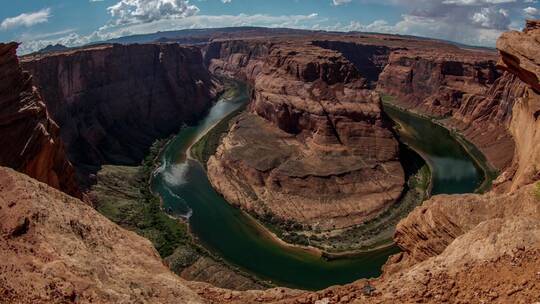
{"type": "Point", "coordinates": [184, 187]}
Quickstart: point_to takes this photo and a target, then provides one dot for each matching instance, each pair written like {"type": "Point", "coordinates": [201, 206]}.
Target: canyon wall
{"type": "Point", "coordinates": [113, 101]}
{"type": "Point", "coordinates": [519, 57]}
{"type": "Point", "coordinates": [29, 137]}
{"type": "Point", "coordinates": [314, 148]}
{"type": "Point", "coordinates": [238, 59]}
{"type": "Point", "coordinates": [369, 59]}
{"type": "Point", "coordinates": [463, 89]}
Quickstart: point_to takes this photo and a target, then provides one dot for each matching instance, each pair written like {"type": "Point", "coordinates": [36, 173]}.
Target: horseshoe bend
{"type": "Point", "coordinates": [258, 165]}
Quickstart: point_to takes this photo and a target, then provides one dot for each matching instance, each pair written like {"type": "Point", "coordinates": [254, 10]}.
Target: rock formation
{"type": "Point", "coordinates": [112, 102]}
{"type": "Point", "coordinates": [519, 56]}
{"type": "Point", "coordinates": [56, 249]}
{"type": "Point", "coordinates": [239, 59]}
{"type": "Point", "coordinates": [461, 87]}
{"type": "Point", "coordinates": [315, 148]}
{"type": "Point", "coordinates": [29, 138]}
{"type": "Point", "coordinates": [459, 248]}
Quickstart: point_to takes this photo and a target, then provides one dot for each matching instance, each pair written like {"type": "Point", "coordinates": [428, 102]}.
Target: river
{"type": "Point", "coordinates": [184, 187]}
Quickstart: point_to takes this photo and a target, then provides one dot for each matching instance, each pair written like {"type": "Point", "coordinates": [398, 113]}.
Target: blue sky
{"type": "Point", "coordinates": [37, 23]}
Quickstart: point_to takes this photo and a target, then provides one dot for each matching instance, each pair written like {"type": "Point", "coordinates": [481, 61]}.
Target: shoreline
{"type": "Point", "coordinates": [487, 169]}
{"type": "Point", "coordinates": [312, 250]}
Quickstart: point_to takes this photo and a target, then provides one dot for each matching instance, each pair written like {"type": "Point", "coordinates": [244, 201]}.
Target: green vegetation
{"type": "Point", "coordinates": [208, 144]}
{"type": "Point", "coordinates": [537, 190]}
{"type": "Point", "coordinates": [123, 196]}
{"type": "Point", "coordinates": [388, 98]}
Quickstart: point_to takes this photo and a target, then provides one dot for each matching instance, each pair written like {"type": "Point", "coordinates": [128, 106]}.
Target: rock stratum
{"type": "Point", "coordinates": [456, 248]}
{"type": "Point", "coordinates": [29, 137]}
{"type": "Point", "coordinates": [314, 148]}
{"type": "Point", "coordinates": [112, 102]}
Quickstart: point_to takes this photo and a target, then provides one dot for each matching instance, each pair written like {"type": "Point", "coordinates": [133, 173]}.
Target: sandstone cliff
{"type": "Point", "coordinates": [462, 88]}
{"type": "Point", "coordinates": [315, 148]}
{"type": "Point", "coordinates": [466, 248]}
{"type": "Point", "coordinates": [519, 56]}
{"type": "Point", "coordinates": [113, 101]}
{"type": "Point", "coordinates": [239, 59]}
{"type": "Point", "coordinates": [56, 249]}
{"type": "Point", "coordinates": [29, 138]}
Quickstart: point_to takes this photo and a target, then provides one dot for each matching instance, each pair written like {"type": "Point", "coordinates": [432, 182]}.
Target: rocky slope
{"type": "Point", "coordinates": [113, 101]}
{"type": "Point", "coordinates": [456, 249]}
{"type": "Point", "coordinates": [30, 139]}
{"type": "Point", "coordinates": [325, 158]}
{"type": "Point", "coordinates": [56, 249]}
{"type": "Point", "coordinates": [519, 57]}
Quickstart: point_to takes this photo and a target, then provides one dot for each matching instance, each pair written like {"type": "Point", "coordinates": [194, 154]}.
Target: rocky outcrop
{"type": "Point", "coordinates": [113, 101]}
{"type": "Point", "coordinates": [83, 257]}
{"type": "Point", "coordinates": [315, 148]}
{"type": "Point", "coordinates": [56, 249]}
{"type": "Point", "coordinates": [438, 80]}
{"type": "Point", "coordinates": [30, 139]}
{"type": "Point", "coordinates": [239, 59]}
{"type": "Point", "coordinates": [369, 59]}
{"type": "Point", "coordinates": [463, 89]}
{"type": "Point", "coordinates": [519, 56]}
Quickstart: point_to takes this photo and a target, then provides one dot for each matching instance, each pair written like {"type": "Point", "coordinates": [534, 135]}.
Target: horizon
{"type": "Point", "coordinates": [37, 24]}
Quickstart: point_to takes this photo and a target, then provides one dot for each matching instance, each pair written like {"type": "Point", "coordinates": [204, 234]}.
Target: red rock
{"type": "Point", "coordinates": [112, 102]}
{"type": "Point", "coordinates": [322, 154]}
{"type": "Point", "coordinates": [30, 139]}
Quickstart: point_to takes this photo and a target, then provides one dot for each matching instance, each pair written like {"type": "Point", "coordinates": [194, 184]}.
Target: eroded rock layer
{"type": "Point", "coordinates": [112, 102]}
{"type": "Point", "coordinates": [29, 138]}
{"type": "Point", "coordinates": [56, 249]}
{"type": "Point", "coordinates": [519, 57]}
{"type": "Point", "coordinates": [462, 88]}
{"type": "Point", "coordinates": [315, 148]}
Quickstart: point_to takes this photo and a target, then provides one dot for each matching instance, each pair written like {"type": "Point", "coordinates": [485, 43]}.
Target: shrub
{"type": "Point", "coordinates": [537, 190]}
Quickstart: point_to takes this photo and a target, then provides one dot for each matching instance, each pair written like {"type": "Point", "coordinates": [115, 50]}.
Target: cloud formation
{"type": "Point", "coordinates": [26, 19]}
{"type": "Point", "coordinates": [144, 11]}
{"type": "Point", "coordinates": [476, 22]}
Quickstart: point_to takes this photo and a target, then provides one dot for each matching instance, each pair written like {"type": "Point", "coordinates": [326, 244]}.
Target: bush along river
{"type": "Point", "coordinates": [183, 185]}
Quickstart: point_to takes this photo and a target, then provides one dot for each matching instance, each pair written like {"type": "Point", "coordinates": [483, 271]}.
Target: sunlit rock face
{"type": "Point", "coordinates": [314, 147]}
{"type": "Point", "coordinates": [29, 138]}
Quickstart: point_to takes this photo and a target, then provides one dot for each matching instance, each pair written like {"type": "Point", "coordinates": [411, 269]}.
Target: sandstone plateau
{"type": "Point", "coordinates": [314, 148]}
{"type": "Point", "coordinates": [475, 248]}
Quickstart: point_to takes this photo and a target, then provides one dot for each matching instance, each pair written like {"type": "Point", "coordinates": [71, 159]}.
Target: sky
{"type": "Point", "coordinates": [38, 23]}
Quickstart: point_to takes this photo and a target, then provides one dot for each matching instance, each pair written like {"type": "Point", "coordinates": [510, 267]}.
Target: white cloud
{"type": "Point", "coordinates": [226, 1]}
{"type": "Point", "coordinates": [26, 19]}
{"type": "Point", "coordinates": [143, 11]}
{"type": "Point", "coordinates": [340, 2]}
{"type": "Point", "coordinates": [531, 12]}
{"type": "Point", "coordinates": [191, 22]}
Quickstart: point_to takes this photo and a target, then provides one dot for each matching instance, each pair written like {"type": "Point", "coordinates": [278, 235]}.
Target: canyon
{"type": "Point", "coordinates": [313, 102]}
{"type": "Point", "coordinates": [112, 102]}
{"type": "Point", "coordinates": [313, 148]}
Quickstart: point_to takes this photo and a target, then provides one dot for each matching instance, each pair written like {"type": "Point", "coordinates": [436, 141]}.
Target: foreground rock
{"type": "Point", "coordinates": [314, 149]}
{"type": "Point", "coordinates": [519, 57]}
{"type": "Point", "coordinates": [29, 138]}
{"type": "Point", "coordinates": [56, 249]}
{"type": "Point", "coordinates": [112, 102]}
